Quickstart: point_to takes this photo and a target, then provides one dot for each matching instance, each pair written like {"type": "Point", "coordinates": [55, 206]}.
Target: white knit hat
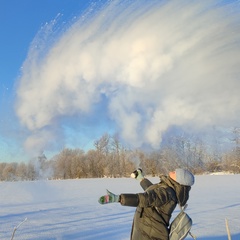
{"type": "Point", "coordinates": [184, 177]}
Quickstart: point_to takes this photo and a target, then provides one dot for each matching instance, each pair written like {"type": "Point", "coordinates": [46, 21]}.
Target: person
{"type": "Point", "coordinates": [154, 207]}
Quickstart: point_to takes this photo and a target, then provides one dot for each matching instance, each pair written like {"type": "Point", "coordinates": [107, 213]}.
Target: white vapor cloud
{"type": "Point", "coordinates": [156, 63]}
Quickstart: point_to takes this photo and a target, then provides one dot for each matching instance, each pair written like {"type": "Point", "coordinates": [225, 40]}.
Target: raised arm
{"type": "Point", "coordinates": [145, 183]}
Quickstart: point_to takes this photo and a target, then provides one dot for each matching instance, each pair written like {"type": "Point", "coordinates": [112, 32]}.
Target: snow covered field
{"type": "Point", "coordinates": [69, 209]}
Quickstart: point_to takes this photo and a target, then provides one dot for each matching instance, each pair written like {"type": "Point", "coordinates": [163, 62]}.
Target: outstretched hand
{"type": "Point", "coordinates": [109, 198]}
{"type": "Point", "coordinates": [137, 174]}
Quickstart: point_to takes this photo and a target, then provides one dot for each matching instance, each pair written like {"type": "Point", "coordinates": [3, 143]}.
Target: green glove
{"type": "Point", "coordinates": [137, 174]}
{"type": "Point", "coordinates": [109, 198]}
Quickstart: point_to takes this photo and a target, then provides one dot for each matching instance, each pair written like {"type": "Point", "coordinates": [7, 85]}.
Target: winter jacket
{"type": "Point", "coordinates": [155, 207]}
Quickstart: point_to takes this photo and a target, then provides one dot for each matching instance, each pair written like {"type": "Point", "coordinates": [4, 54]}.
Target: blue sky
{"type": "Point", "coordinates": [71, 71]}
{"type": "Point", "coordinates": [20, 21]}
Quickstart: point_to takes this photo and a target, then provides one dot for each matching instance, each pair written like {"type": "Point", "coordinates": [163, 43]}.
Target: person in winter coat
{"type": "Point", "coordinates": [154, 207]}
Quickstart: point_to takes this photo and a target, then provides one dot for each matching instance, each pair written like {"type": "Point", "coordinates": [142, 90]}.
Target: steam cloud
{"type": "Point", "coordinates": [148, 65]}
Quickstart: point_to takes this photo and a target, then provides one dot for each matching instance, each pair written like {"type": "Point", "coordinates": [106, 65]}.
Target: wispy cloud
{"type": "Point", "coordinates": [147, 64]}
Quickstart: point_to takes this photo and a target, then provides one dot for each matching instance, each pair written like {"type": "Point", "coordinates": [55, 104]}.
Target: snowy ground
{"type": "Point", "coordinates": [69, 209]}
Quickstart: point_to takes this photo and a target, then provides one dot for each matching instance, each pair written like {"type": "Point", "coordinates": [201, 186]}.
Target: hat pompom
{"type": "Point", "coordinates": [184, 177]}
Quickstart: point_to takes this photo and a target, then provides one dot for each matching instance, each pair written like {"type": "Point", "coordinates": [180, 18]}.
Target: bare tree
{"type": "Point", "coordinates": [21, 171]}
{"type": "Point", "coordinates": [102, 144]}
{"type": "Point", "coordinates": [31, 173]}
{"type": "Point", "coordinates": [9, 172]}
{"type": "Point", "coordinates": [92, 164]}
{"type": "Point", "coordinates": [2, 166]}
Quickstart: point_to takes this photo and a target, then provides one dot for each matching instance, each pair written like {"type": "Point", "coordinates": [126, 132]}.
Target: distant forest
{"type": "Point", "coordinates": [110, 158]}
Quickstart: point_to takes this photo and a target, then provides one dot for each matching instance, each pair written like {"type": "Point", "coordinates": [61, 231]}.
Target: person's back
{"type": "Point", "coordinates": [151, 222]}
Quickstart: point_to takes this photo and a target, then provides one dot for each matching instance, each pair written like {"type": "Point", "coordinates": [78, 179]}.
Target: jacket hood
{"type": "Point", "coordinates": [182, 192]}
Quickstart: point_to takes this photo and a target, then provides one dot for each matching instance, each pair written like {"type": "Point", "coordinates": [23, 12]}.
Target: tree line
{"type": "Point", "coordinates": [110, 158]}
